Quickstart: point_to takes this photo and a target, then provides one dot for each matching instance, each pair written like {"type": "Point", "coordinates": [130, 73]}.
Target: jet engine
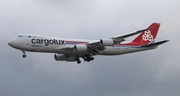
{"type": "Point", "coordinates": [60, 57]}
{"type": "Point", "coordinates": [80, 48]}
{"type": "Point", "coordinates": [106, 42]}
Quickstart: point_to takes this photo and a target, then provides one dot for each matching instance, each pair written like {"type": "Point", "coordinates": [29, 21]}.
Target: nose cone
{"type": "Point", "coordinates": [10, 43]}
{"type": "Point", "coordinates": [13, 43]}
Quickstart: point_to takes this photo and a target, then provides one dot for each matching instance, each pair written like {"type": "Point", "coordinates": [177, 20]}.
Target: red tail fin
{"type": "Point", "coordinates": [149, 35]}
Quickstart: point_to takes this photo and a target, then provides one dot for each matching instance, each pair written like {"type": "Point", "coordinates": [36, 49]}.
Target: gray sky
{"type": "Point", "coordinates": [150, 73]}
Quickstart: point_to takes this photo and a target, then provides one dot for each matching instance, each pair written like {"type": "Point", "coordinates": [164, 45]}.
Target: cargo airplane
{"type": "Point", "coordinates": [73, 49]}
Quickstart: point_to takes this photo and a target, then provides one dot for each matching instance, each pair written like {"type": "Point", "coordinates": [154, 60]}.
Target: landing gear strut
{"type": "Point", "coordinates": [78, 60]}
{"type": "Point", "coordinates": [24, 54]}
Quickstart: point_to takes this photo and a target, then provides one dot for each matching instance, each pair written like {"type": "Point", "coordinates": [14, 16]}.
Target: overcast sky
{"type": "Point", "coordinates": [150, 73]}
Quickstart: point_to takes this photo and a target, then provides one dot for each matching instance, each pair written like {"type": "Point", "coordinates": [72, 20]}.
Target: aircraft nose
{"type": "Point", "coordinates": [12, 43]}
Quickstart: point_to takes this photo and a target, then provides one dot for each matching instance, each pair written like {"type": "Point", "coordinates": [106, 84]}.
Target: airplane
{"type": "Point", "coordinates": [71, 50]}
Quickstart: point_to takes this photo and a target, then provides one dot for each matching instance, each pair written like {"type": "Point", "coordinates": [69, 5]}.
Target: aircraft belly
{"type": "Point", "coordinates": [39, 48]}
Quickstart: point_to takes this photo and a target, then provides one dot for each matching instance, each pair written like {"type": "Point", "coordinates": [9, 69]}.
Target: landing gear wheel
{"type": "Point", "coordinates": [88, 58]}
{"type": "Point", "coordinates": [78, 62]}
{"type": "Point", "coordinates": [85, 58]}
{"type": "Point", "coordinates": [24, 56]}
{"type": "Point", "coordinates": [92, 58]}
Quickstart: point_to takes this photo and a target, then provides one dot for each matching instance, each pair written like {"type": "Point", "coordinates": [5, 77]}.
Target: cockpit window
{"type": "Point", "coordinates": [20, 36]}
{"type": "Point", "coordinates": [29, 36]}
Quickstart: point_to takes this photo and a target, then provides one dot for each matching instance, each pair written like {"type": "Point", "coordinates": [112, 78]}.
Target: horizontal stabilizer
{"type": "Point", "coordinates": [155, 44]}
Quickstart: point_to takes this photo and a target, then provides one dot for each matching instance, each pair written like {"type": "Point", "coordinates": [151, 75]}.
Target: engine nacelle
{"type": "Point", "coordinates": [60, 57]}
{"type": "Point", "coordinates": [80, 48]}
{"type": "Point", "coordinates": [106, 42]}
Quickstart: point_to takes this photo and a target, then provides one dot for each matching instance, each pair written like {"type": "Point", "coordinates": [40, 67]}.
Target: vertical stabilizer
{"type": "Point", "coordinates": [148, 36]}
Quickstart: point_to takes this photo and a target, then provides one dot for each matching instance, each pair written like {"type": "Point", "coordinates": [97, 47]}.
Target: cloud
{"type": "Point", "coordinates": [146, 73]}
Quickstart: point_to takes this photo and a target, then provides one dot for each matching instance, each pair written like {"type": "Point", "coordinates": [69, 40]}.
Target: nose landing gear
{"type": "Point", "coordinates": [24, 54]}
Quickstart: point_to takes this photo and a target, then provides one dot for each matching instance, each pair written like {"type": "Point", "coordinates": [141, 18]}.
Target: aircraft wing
{"type": "Point", "coordinates": [121, 38]}
{"type": "Point", "coordinates": [117, 38]}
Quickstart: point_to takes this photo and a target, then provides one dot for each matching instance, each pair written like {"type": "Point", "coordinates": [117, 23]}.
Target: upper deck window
{"type": "Point", "coordinates": [20, 36]}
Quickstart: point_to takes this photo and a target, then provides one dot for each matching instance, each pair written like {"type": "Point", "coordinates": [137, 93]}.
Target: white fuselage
{"type": "Point", "coordinates": [36, 43]}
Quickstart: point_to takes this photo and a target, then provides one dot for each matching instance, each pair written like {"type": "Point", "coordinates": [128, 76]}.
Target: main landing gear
{"type": "Point", "coordinates": [87, 58]}
{"type": "Point", "coordinates": [78, 60]}
{"type": "Point", "coordinates": [24, 54]}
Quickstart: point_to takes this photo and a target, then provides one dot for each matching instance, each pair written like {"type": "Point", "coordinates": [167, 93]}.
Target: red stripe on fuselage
{"type": "Point", "coordinates": [79, 42]}
{"type": "Point", "coordinates": [129, 44]}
